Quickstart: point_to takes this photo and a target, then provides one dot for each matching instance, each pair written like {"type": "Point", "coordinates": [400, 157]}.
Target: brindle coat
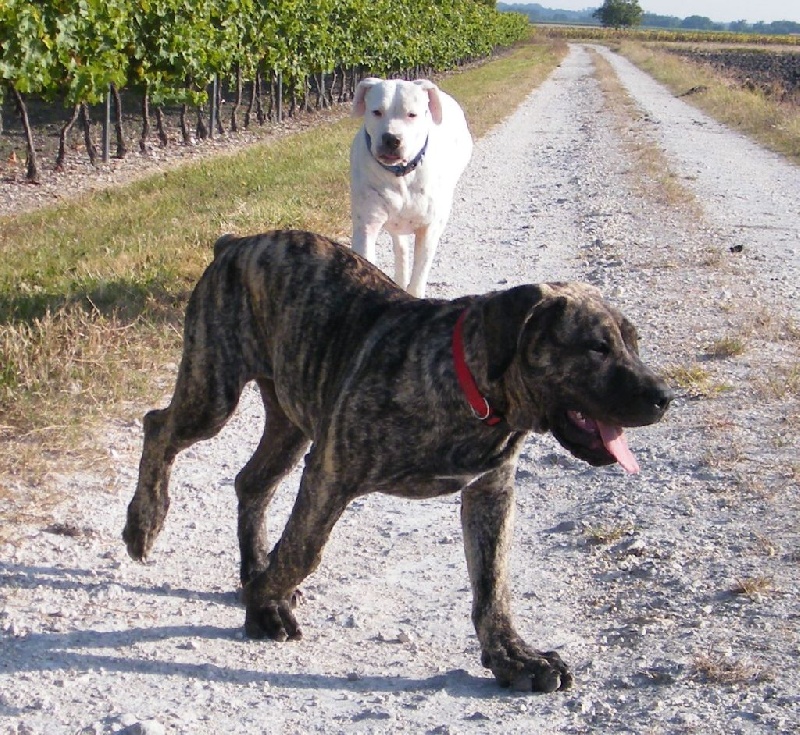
{"type": "Point", "coordinates": [348, 362]}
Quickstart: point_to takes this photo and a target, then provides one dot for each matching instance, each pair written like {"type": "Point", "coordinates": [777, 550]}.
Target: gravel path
{"type": "Point", "coordinates": [672, 594]}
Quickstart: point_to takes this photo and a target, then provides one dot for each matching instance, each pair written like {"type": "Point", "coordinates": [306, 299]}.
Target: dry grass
{"type": "Point", "coordinates": [19, 510]}
{"type": "Point", "coordinates": [727, 458]}
{"type": "Point", "coordinates": [654, 177]}
{"type": "Point", "coordinates": [711, 258]}
{"type": "Point", "coordinates": [720, 425]}
{"type": "Point", "coordinates": [775, 124]}
{"type": "Point", "coordinates": [728, 346]}
{"type": "Point", "coordinates": [62, 357]}
{"type": "Point", "coordinates": [60, 361]}
{"type": "Point", "coordinates": [602, 534]}
{"type": "Point", "coordinates": [695, 380]}
{"type": "Point", "coordinates": [772, 327]}
{"type": "Point", "coordinates": [764, 546]}
{"type": "Point", "coordinates": [753, 587]}
{"type": "Point", "coordinates": [781, 383]}
{"type": "Point", "coordinates": [716, 668]}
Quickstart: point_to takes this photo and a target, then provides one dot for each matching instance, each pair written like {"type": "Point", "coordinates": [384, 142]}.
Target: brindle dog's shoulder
{"type": "Point", "coordinates": [223, 242]}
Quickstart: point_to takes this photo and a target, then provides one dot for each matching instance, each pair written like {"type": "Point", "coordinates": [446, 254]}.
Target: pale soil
{"type": "Point", "coordinates": [630, 578]}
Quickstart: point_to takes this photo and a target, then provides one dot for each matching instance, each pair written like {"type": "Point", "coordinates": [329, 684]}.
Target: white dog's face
{"type": "Point", "coordinates": [397, 116]}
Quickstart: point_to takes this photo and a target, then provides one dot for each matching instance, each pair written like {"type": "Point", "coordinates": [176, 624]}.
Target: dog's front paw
{"type": "Point", "coordinates": [273, 619]}
{"type": "Point", "coordinates": [522, 669]}
{"type": "Point", "coordinates": [138, 538]}
{"type": "Point", "coordinates": [143, 524]}
{"type": "Point", "coordinates": [135, 542]}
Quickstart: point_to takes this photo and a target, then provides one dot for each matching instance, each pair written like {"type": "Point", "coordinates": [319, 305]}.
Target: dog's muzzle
{"type": "Point", "coordinates": [398, 169]}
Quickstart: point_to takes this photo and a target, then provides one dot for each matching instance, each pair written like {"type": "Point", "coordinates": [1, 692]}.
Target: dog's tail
{"type": "Point", "coordinates": [222, 243]}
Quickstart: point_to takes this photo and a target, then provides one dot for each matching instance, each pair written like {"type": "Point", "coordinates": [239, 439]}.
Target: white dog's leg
{"type": "Point", "coordinates": [364, 239]}
{"type": "Point", "coordinates": [402, 257]}
{"type": "Point", "coordinates": [425, 242]}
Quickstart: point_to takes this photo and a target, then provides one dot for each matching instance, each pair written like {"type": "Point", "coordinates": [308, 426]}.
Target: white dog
{"type": "Point", "coordinates": [405, 162]}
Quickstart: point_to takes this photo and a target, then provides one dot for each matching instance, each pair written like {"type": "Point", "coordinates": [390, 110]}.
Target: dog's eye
{"type": "Point", "coordinates": [599, 347]}
{"type": "Point", "coordinates": [412, 114]}
{"type": "Point", "coordinates": [377, 113]}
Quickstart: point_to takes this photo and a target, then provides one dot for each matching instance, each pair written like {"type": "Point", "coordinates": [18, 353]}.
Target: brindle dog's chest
{"type": "Point", "coordinates": [415, 456]}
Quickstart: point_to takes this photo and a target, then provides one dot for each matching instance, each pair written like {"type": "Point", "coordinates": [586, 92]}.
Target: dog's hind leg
{"type": "Point", "coordinates": [281, 447]}
{"type": "Point", "coordinates": [206, 394]}
{"type": "Point", "coordinates": [150, 503]}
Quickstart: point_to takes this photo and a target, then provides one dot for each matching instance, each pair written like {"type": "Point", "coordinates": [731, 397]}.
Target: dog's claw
{"type": "Point", "coordinates": [531, 672]}
{"type": "Point", "coordinates": [545, 680]}
{"type": "Point", "coordinates": [273, 620]}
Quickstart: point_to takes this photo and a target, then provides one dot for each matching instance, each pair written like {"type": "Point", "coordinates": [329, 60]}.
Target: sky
{"type": "Point", "coordinates": [720, 11]}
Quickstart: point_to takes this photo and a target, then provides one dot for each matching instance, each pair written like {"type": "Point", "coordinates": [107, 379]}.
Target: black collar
{"type": "Point", "coordinates": [397, 169]}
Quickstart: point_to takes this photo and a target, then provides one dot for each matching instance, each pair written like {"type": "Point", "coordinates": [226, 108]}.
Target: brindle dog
{"type": "Point", "coordinates": [382, 385]}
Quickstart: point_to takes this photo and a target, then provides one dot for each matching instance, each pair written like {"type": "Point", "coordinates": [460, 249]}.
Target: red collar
{"type": "Point", "coordinates": [480, 406]}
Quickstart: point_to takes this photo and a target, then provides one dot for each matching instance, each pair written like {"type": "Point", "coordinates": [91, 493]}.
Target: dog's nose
{"type": "Point", "coordinates": [391, 142]}
{"type": "Point", "coordinates": [661, 396]}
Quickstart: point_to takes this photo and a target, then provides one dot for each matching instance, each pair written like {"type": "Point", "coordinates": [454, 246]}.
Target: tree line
{"type": "Point", "coordinates": [266, 52]}
{"type": "Point", "coordinates": [539, 14]}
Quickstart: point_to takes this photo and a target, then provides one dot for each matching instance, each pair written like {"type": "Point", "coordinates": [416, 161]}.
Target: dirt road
{"type": "Point", "coordinates": [672, 594]}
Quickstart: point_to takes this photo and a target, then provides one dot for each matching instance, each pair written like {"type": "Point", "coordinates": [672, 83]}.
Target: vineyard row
{"type": "Point", "coordinates": [82, 52]}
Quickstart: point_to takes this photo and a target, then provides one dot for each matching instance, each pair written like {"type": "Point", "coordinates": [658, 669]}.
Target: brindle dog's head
{"type": "Point", "coordinates": [567, 362]}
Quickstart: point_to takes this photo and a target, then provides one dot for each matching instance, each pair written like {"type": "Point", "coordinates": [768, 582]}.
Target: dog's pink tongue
{"type": "Point", "coordinates": [614, 441]}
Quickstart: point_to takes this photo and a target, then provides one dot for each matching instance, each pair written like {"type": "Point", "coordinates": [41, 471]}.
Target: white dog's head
{"type": "Point", "coordinates": [397, 116]}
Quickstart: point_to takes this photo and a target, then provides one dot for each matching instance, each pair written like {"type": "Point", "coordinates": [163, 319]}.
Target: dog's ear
{"type": "Point", "coordinates": [359, 106]}
{"type": "Point", "coordinates": [434, 100]}
{"type": "Point", "coordinates": [629, 335]}
{"type": "Point", "coordinates": [505, 316]}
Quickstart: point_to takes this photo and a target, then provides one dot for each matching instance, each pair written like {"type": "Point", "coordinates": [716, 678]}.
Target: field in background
{"type": "Point", "coordinates": [749, 82]}
{"type": "Point", "coordinates": [656, 35]}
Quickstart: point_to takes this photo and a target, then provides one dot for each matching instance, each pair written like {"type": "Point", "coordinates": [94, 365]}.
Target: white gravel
{"type": "Point", "coordinates": [630, 578]}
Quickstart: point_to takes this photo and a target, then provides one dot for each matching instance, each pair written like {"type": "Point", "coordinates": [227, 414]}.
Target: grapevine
{"type": "Point", "coordinates": [174, 51]}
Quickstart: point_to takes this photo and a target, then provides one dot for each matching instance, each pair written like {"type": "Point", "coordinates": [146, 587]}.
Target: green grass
{"type": "Point", "coordinates": [122, 246]}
